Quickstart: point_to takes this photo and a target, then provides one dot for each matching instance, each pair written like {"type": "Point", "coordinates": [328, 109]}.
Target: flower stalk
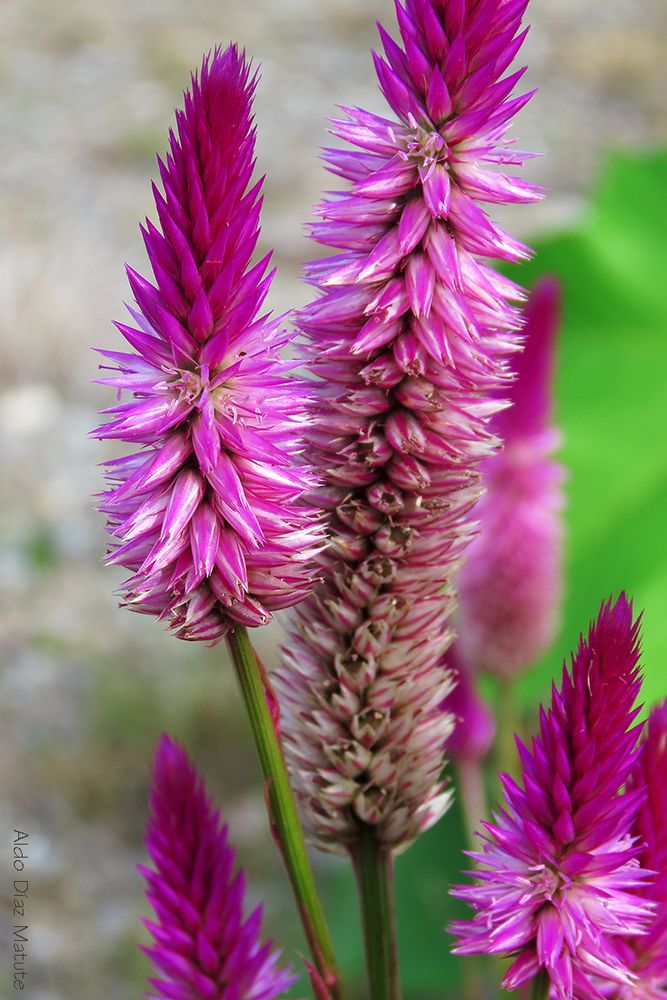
{"type": "Point", "coordinates": [283, 816]}
{"type": "Point", "coordinates": [472, 795]}
{"type": "Point", "coordinates": [508, 725]}
{"type": "Point", "coordinates": [374, 869]}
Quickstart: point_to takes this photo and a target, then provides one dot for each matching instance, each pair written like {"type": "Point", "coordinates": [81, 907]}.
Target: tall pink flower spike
{"type": "Point", "coordinates": [559, 876]}
{"type": "Point", "coordinates": [204, 948]}
{"type": "Point", "coordinates": [647, 954]}
{"type": "Point", "coordinates": [409, 335]}
{"type": "Point", "coordinates": [207, 514]}
{"type": "Point", "coordinates": [510, 584]}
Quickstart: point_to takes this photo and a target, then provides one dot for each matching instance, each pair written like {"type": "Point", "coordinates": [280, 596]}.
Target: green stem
{"type": "Point", "coordinates": [508, 724]}
{"type": "Point", "coordinates": [472, 974]}
{"type": "Point", "coordinates": [472, 796]}
{"type": "Point", "coordinates": [283, 814]}
{"type": "Point", "coordinates": [373, 865]}
{"type": "Point", "coordinates": [540, 987]}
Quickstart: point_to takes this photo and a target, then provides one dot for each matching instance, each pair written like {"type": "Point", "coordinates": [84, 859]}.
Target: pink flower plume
{"type": "Point", "coordinates": [409, 333]}
{"type": "Point", "coordinates": [510, 584]}
{"type": "Point", "coordinates": [559, 876]}
{"type": "Point", "coordinates": [204, 948]}
{"type": "Point", "coordinates": [207, 514]}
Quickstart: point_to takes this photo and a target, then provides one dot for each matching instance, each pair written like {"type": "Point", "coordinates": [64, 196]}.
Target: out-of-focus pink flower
{"type": "Point", "coordinates": [648, 953]}
{"type": "Point", "coordinates": [559, 875]}
{"type": "Point", "coordinates": [409, 334]}
{"type": "Point", "coordinates": [206, 514]}
{"type": "Point", "coordinates": [204, 948]}
{"type": "Point", "coordinates": [510, 584]}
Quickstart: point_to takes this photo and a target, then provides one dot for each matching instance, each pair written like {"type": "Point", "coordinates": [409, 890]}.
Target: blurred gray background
{"type": "Point", "coordinates": [87, 91]}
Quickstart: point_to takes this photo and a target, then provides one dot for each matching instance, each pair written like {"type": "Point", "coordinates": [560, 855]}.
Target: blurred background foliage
{"type": "Point", "coordinates": [87, 90]}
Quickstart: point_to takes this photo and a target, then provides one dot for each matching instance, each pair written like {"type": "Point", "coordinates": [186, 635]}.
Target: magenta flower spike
{"type": "Point", "coordinates": [206, 514]}
{"type": "Point", "coordinates": [559, 876]}
{"type": "Point", "coordinates": [648, 953]}
{"type": "Point", "coordinates": [204, 948]}
{"type": "Point", "coordinates": [510, 584]}
{"type": "Point", "coordinates": [409, 335]}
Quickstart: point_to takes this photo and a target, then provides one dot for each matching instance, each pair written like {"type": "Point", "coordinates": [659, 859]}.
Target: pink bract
{"type": "Point", "coordinates": [559, 876]}
{"type": "Point", "coordinates": [204, 948]}
{"type": "Point", "coordinates": [207, 514]}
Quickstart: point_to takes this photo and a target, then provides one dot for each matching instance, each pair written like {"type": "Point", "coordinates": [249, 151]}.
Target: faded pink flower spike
{"type": "Point", "coordinates": [206, 514]}
{"type": "Point", "coordinates": [647, 954]}
{"type": "Point", "coordinates": [510, 584]}
{"type": "Point", "coordinates": [204, 948]}
{"type": "Point", "coordinates": [409, 336]}
{"type": "Point", "coordinates": [559, 875]}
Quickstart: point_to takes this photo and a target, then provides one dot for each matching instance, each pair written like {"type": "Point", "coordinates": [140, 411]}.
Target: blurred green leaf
{"type": "Point", "coordinates": [612, 395]}
{"type": "Point", "coordinates": [423, 876]}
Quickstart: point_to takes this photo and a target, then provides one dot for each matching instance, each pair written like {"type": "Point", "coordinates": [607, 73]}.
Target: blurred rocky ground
{"type": "Point", "coordinates": [86, 94]}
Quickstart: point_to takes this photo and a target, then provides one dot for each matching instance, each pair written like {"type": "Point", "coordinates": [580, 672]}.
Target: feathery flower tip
{"type": "Point", "coordinates": [204, 948]}
{"type": "Point", "coordinates": [409, 335]}
{"type": "Point", "coordinates": [559, 877]}
{"type": "Point", "coordinates": [206, 514]}
{"type": "Point", "coordinates": [509, 586]}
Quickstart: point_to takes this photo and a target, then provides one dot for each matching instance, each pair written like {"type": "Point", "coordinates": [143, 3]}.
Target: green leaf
{"type": "Point", "coordinates": [612, 392]}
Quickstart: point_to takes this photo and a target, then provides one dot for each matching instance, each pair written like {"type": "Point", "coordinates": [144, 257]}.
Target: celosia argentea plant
{"type": "Point", "coordinates": [348, 491]}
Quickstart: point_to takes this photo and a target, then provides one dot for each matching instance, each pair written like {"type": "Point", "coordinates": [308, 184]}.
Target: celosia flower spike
{"type": "Point", "coordinates": [204, 948]}
{"type": "Point", "coordinates": [532, 392]}
{"type": "Point", "coordinates": [559, 878]}
{"type": "Point", "coordinates": [647, 954]}
{"type": "Point", "coordinates": [509, 586]}
{"type": "Point", "coordinates": [409, 334]}
{"type": "Point", "coordinates": [206, 514]}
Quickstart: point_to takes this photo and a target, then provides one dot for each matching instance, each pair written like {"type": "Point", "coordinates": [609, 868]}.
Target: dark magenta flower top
{"type": "Point", "coordinates": [207, 513]}
{"type": "Point", "coordinates": [560, 876]}
{"type": "Point", "coordinates": [204, 948]}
